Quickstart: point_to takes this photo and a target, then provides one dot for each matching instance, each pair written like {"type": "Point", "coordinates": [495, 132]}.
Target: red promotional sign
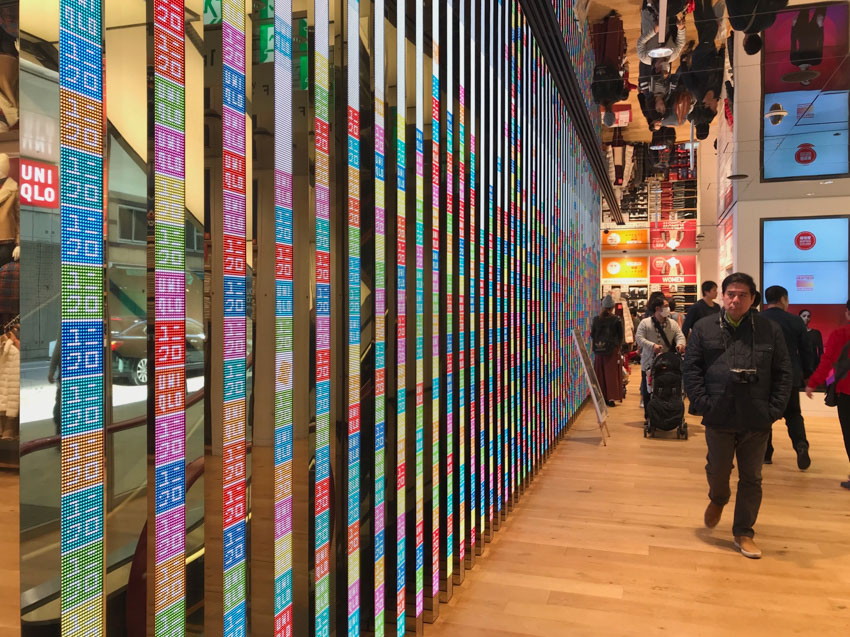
{"type": "Point", "coordinates": [805, 240]}
{"type": "Point", "coordinates": [673, 268]}
{"type": "Point", "coordinates": [39, 184]}
{"type": "Point", "coordinates": [673, 235]}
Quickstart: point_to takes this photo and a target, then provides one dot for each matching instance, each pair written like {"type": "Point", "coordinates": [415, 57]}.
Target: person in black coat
{"type": "Point", "coordinates": [606, 336]}
{"type": "Point", "coordinates": [702, 71]}
{"type": "Point", "coordinates": [702, 308]}
{"type": "Point", "coordinates": [794, 331]}
{"type": "Point", "coordinates": [737, 374]}
{"type": "Point", "coordinates": [814, 339]}
{"type": "Point", "coordinates": [751, 17]}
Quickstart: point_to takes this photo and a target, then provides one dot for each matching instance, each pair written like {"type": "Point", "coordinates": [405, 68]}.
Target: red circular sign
{"type": "Point", "coordinates": [805, 154]}
{"type": "Point", "coordinates": [805, 240]}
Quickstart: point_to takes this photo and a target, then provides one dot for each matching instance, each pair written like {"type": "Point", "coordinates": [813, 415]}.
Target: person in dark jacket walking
{"type": "Point", "coordinates": [776, 298]}
{"type": "Point", "coordinates": [702, 308]}
{"type": "Point", "coordinates": [834, 346]}
{"type": "Point", "coordinates": [814, 339]}
{"type": "Point", "coordinates": [738, 376]}
{"type": "Point", "coordinates": [606, 336]}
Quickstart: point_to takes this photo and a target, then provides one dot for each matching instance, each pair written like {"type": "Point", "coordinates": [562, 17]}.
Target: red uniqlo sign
{"type": "Point", "coordinates": [39, 184]}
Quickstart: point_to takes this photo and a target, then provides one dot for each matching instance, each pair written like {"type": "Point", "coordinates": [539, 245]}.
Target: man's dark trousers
{"type": "Point", "coordinates": [794, 422]}
{"type": "Point", "coordinates": [724, 446]}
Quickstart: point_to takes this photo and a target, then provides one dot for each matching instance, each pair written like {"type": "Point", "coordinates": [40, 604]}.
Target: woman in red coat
{"type": "Point", "coordinates": [837, 340]}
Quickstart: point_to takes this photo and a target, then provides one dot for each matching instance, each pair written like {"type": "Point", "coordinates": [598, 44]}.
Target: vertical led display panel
{"type": "Point", "coordinates": [170, 319]}
{"type": "Point", "coordinates": [353, 490]}
{"type": "Point", "coordinates": [284, 306]}
{"type": "Point", "coordinates": [512, 256]}
{"type": "Point", "coordinates": [435, 300]}
{"type": "Point", "coordinates": [233, 408]}
{"type": "Point", "coordinates": [498, 140]}
{"type": "Point", "coordinates": [81, 208]}
{"type": "Point", "coordinates": [473, 355]}
{"type": "Point", "coordinates": [491, 217]}
{"type": "Point", "coordinates": [380, 323]}
{"type": "Point", "coordinates": [461, 295]}
{"type": "Point", "coordinates": [321, 90]}
{"type": "Point", "coordinates": [419, 509]}
{"type": "Point", "coordinates": [401, 311]}
{"type": "Point", "coordinates": [482, 297]}
{"type": "Point", "coordinates": [450, 509]}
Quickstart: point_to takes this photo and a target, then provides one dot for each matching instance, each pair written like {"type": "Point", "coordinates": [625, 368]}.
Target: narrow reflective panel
{"type": "Point", "coordinates": [380, 323]}
{"type": "Point", "coordinates": [234, 409]}
{"type": "Point", "coordinates": [353, 490]}
{"type": "Point", "coordinates": [323, 321]}
{"type": "Point", "coordinates": [419, 509]}
{"type": "Point", "coordinates": [471, 252]}
{"type": "Point", "coordinates": [499, 141]}
{"type": "Point", "coordinates": [460, 517]}
{"type": "Point", "coordinates": [401, 333]}
{"type": "Point", "coordinates": [435, 300]}
{"type": "Point", "coordinates": [81, 148]}
{"type": "Point", "coordinates": [449, 445]}
{"type": "Point", "coordinates": [170, 318]}
{"type": "Point", "coordinates": [482, 296]}
{"type": "Point", "coordinates": [284, 320]}
{"type": "Point", "coordinates": [492, 133]}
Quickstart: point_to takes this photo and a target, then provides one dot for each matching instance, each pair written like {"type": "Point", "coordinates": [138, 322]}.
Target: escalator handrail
{"type": "Point", "coordinates": [141, 420]}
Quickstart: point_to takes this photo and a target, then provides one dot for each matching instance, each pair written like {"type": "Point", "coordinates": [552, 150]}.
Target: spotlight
{"type": "Point", "coordinates": [776, 113]}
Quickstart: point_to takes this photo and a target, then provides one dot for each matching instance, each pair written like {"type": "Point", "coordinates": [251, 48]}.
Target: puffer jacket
{"type": "Point", "coordinates": [10, 379]}
{"type": "Point", "coordinates": [714, 348]}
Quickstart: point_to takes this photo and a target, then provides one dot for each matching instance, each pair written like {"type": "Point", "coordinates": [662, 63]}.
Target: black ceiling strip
{"type": "Point", "coordinates": [544, 24]}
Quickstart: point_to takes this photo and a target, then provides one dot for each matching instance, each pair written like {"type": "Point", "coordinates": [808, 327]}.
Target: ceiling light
{"type": "Point", "coordinates": [776, 113]}
{"type": "Point", "coordinates": [661, 52]}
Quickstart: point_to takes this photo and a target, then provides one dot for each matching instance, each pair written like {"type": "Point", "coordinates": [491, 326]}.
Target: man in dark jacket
{"type": "Point", "coordinates": [752, 17]}
{"type": "Point", "coordinates": [776, 298]}
{"type": "Point", "coordinates": [702, 308]}
{"type": "Point", "coordinates": [738, 376]}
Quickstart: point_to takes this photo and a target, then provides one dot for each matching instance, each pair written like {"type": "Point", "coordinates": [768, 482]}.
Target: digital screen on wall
{"type": "Point", "coordinates": [808, 257]}
{"type": "Point", "coordinates": [805, 80]}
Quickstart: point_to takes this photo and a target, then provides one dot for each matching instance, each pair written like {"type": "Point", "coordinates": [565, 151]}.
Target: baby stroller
{"type": "Point", "coordinates": [666, 407]}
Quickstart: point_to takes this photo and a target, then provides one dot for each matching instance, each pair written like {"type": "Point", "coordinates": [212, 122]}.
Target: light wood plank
{"type": "Point", "coordinates": [609, 541]}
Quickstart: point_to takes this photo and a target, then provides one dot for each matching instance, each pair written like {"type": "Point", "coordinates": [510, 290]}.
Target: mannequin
{"type": "Point", "coordinates": [10, 383]}
{"type": "Point", "coordinates": [10, 215]}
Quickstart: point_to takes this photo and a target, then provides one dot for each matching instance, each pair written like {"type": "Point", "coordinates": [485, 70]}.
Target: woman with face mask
{"type": "Point", "coordinates": [656, 334]}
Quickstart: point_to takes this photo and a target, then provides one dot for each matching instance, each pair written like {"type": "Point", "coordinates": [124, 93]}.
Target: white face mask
{"type": "Point", "coordinates": [665, 312]}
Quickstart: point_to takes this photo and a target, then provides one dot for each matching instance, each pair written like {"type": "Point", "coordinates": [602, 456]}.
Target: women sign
{"type": "Point", "coordinates": [674, 268]}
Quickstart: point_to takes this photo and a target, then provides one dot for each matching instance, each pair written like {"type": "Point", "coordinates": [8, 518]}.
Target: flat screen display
{"type": "Point", "coordinates": [823, 239]}
{"type": "Point", "coordinates": [809, 283]}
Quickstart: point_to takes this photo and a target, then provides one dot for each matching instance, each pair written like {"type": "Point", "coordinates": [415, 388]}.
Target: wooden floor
{"type": "Point", "coordinates": [10, 591]}
{"type": "Point", "coordinates": [609, 541]}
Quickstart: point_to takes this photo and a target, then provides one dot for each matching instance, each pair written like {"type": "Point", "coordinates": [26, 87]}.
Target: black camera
{"type": "Point", "coordinates": [744, 376]}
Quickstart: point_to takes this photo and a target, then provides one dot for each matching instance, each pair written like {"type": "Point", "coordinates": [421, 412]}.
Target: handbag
{"type": "Point", "coordinates": [839, 371]}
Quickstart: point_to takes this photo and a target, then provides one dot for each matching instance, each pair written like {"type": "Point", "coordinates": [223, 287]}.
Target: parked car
{"type": "Point", "coordinates": [130, 351]}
